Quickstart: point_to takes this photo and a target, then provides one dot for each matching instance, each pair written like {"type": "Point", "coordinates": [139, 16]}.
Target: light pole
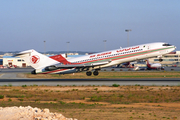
{"type": "Point", "coordinates": [128, 30]}
{"type": "Point", "coordinates": [104, 44]}
{"type": "Point", "coordinates": [67, 47]}
{"type": "Point", "coordinates": [44, 47]}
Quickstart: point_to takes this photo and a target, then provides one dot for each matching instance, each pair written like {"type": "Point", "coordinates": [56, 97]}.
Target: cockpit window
{"type": "Point", "coordinates": [166, 44]}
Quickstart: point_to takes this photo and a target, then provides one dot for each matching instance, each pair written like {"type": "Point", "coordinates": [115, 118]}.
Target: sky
{"type": "Point", "coordinates": [83, 25]}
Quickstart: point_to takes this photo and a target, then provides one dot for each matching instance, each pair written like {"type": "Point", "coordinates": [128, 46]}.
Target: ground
{"type": "Point", "coordinates": [98, 102]}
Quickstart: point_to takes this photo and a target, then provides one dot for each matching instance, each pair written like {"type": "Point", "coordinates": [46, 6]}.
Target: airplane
{"type": "Point", "coordinates": [177, 64]}
{"type": "Point", "coordinates": [58, 64]}
{"type": "Point", "coordinates": [150, 66]}
{"type": "Point", "coordinates": [154, 66]}
{"type": "Point", "coordinates": [2, 67]}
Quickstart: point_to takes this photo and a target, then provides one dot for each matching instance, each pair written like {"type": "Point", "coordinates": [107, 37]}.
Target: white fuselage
{"type": "Point", "coordinates": [125, 54]}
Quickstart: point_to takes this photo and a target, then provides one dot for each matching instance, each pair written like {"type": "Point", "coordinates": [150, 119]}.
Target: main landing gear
{"type": "Point", "coordinates": [95, 73]}
{"type": "Point", "coordinates": [88, 73]}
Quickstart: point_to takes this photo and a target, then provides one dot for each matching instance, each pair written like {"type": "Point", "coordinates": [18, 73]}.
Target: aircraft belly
{"type": "Point", "coordinates": [57, 71]}
{"type": "Point", "coordinates": [64, 71]}
{"type": "Point", "coordinates": [68, 71]}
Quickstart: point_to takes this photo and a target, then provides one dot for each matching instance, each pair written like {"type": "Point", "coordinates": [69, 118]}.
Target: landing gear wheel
{"type": "Point", "coordinates": [89, 73]}
{"type": "Point", "coordinates": [33, 72]}
{"type": "Point", "coordinates": [95, 73]}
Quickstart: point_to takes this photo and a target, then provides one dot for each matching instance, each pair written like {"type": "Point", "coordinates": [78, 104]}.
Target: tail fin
{"type": "Point", "coordinates": [35, 59]}
{"type": "Point", "coordinates": [148, 65]}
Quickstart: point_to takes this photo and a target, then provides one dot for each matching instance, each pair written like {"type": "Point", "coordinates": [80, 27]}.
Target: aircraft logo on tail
{"type": "Point", "coordinates": [34, 59]}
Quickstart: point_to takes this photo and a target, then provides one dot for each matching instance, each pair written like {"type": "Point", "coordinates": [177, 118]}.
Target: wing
{"type": "Point", "coordinates": [78, 66]}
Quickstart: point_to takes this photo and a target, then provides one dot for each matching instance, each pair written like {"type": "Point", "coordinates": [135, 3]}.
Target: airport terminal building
{"type": "Point", "coordinates": [168, 59]}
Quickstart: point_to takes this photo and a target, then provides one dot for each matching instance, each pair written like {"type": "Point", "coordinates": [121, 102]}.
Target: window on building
{"type": "Point", "coordinates": [157, 59]}
{"type": "Point", "coordinates": [19, 60]}
{"type": "Point", "coordinates": [175, 59]}
{"type": "Point", "coordinates": [165, 59]}
{"type": "Point", "coordinates": [171, 59]}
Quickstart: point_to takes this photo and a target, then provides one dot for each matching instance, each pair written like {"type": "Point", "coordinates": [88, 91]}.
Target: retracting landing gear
{"type": "Point", "coordinates": [95, 73]}
{"type": "Point", "coordinates": [88, 73]}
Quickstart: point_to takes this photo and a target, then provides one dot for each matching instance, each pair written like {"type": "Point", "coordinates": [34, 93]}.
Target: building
{"type": "Point", "coordinates": [10, 61]}
{"type": "Point", "coordinates": [167, 59]}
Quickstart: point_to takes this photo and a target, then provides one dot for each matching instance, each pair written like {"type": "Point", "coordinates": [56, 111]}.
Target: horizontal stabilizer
{"type": "Point", "coordinates": [27, 52]}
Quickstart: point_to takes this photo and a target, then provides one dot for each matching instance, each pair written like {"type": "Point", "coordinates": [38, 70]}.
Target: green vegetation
{"type": "Point", "coordinates": [1, 96]}
{"type": "Point", "coordinates": [115, 85]}
{"type": "Point", "coordinates": [93, 102]}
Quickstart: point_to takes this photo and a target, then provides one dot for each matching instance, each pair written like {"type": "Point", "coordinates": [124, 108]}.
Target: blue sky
{"type": "Point", "coordinates": [26, 24]}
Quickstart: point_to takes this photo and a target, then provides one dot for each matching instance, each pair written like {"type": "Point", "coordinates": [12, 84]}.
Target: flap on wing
{"type": "Point", "coordinates": [69, 66]}
{"type": "Point", "coordinates": [100, 63]}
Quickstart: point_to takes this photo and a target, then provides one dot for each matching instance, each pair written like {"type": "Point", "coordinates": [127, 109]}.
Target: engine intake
{"type": "Point", "coordinates": [50, 68]}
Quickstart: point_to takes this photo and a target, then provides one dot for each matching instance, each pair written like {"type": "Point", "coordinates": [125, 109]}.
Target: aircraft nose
{"type": "Point", "coordinates": [173, 46]}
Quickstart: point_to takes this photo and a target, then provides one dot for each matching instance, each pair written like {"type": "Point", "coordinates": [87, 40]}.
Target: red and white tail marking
{"type": "Point", "coordinates": [148, 65]}
{"type": "Point", "coordinates": [60, 59]}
